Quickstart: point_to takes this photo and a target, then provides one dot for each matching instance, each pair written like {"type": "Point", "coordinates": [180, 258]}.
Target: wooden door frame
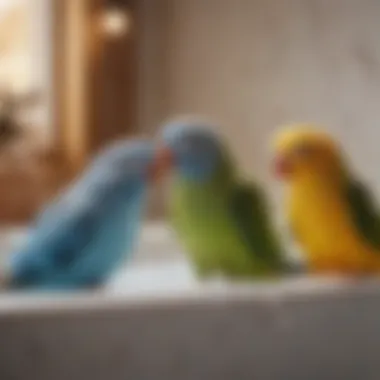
{"type": "Point", "coordinates": [89, 71]}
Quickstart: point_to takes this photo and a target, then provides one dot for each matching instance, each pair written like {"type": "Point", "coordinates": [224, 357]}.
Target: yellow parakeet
{"type": "Point", "coordinates": [331, 214]}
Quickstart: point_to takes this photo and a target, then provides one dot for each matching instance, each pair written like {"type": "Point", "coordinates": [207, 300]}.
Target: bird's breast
{"type": "Point", "coordinates": [322, 220]}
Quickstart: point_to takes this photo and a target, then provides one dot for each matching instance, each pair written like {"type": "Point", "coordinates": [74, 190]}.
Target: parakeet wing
{"type": "Point", "coordinates": [55, 246]}
{"type": "Point", "coordinates": [250, 213]}
{"type": "Point", "coordinates": [364, 211]}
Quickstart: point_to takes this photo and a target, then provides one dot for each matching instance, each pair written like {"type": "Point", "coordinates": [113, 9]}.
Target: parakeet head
{"type": "Point", "coordinates": [195, 150]}
{"type": "Point", "coordinates": [304, 151]}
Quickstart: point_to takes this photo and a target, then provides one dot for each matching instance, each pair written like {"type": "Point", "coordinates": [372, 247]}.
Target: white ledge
{"type": "Point", "coordinates": [294, 329]}
{"type": "Point", "coordinates": [157, 322]}
{"type": "Point", "coordinates": [302, 289]}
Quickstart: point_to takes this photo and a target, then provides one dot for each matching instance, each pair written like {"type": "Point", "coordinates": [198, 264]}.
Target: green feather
{"type": "Point", "coordinates": [364, 211]}
{"type": "Point", "coordinates": [250, 211]}
{"type": "Point", "coordinates": [224, 225]}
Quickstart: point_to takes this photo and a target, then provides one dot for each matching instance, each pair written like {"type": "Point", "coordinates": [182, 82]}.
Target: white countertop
{"type": "Point", "coordinates": [155, 320]}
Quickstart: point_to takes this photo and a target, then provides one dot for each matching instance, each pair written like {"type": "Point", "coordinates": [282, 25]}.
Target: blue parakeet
{"type": "Point", "coordinates": [84, 235]}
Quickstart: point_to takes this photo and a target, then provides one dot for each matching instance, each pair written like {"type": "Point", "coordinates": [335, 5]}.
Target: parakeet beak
{"type": "Point", "coordinates": [162, 163]}
{"type": "Point", "coordinates": [282, 166]}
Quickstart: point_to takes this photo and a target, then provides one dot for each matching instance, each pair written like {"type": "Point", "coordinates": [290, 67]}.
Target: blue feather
{"type": "Point", "coordinates": [196, 148]}
{"type": "Point", "coordinates": [84, 236]}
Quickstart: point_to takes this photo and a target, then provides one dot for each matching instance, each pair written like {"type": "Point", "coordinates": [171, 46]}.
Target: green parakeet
{"type": "Point", "coordinates": [222, 221]}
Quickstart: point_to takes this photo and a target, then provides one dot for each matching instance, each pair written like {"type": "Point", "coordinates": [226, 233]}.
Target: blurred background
{"type": "Point", "coordinates": [80, 73]}
{"type": "Point", "coordinates": [76, 74]}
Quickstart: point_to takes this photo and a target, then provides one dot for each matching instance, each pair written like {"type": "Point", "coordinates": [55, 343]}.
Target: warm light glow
{"type": "Point", "coordinates": [7, 5]}
{"type": "Point", "coordinates": [116, 22]}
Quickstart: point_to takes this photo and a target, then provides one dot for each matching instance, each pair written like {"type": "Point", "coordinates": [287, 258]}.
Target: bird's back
{"type": "Point", "coordinates": [81, 248]}
{"type": "Point", "coordinates": [204, 221]}
{"type": "Point", "coordinates": [113, 241]}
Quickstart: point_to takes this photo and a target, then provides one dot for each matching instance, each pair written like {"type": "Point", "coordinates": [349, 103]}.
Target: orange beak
{"type": "Point", "coordinates": [162, 163]}
{"type": "Point", "coordinates": [282, 167]}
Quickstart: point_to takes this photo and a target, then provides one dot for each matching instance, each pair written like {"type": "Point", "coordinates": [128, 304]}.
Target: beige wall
{"type": "Point", "coordinates": [254, 64]}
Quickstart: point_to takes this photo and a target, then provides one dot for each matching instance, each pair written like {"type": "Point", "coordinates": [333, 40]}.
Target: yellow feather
{"type": "Point", "coordinates": [316, 206]}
